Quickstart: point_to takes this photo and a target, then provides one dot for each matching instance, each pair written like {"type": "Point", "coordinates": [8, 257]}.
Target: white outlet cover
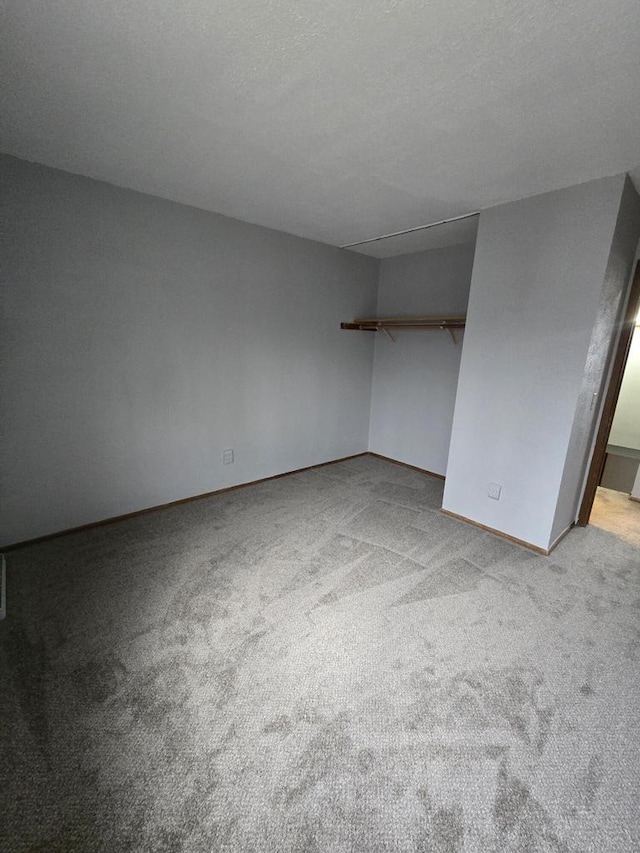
{"type": "Point", "coordinates": [495, 490]}
{"type": "Point", "coordinates": [227, 457]}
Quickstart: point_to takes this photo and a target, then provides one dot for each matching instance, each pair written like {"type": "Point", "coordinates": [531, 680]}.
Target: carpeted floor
{"type": "Point", "coordinates": [320, 663]}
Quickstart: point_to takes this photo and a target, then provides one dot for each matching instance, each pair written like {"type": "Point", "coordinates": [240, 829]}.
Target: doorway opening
{"type": "Point", "coordinates": [612, 493]}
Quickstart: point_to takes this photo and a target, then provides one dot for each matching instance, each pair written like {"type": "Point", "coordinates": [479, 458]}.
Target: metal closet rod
{"type": "Point", "coordinates": [411, 230]}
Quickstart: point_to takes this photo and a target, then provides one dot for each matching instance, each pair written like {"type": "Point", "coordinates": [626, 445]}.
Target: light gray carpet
{"type": "Point", "coordinates": [320, 663]}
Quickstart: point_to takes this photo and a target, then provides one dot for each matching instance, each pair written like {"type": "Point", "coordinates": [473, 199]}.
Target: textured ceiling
{"type": "Point", "coordinates": [335, 120]}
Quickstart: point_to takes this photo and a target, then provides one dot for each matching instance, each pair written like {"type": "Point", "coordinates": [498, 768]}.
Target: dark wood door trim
{"type": "Point", "coordinates": [613, 391]}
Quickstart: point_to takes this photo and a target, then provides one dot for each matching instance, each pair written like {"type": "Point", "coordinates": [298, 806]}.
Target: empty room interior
{"type": "Point", "coordinates": [320, 431]}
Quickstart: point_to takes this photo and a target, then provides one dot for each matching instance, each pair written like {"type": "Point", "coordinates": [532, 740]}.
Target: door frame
{"type": "Point", "coordinates": [611, 399]}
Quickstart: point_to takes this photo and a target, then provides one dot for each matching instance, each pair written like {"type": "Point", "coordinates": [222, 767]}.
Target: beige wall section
{"type": "Point", "coordinates": [142, 337]}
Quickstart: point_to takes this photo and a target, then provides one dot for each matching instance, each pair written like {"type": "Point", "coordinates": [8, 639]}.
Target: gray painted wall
{"type": "Point", "coordinates": [415, 379]}
{"type": "Point", "coordinates": [141, 338]}
{"type": "Point", "coordinates": [625, 429]}
{"type": "Point", "coordinates": [619, 472]}
{"type": "Point", "coordinates": [605, 333]}
{"type": "Point", "coordinates": [538, 276]}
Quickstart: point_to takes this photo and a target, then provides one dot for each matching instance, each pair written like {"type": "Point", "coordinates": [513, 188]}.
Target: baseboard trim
{"type": "Point", "coordinates": [115, 518]}
{"type": "Point", "coordinates": [559, 539]}
{"type": "Point", "coordinates": [406, 465]}
{"type": "Point", "coordinates": [632, 498]}
{"type": "Point", "coordinates": [545, 552]}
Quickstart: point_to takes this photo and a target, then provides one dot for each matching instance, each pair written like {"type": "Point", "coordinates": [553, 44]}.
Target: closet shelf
{"type": "Point", "coordinates": [384, 324]}
{"type": "Point", "coordinates": [374, 324]}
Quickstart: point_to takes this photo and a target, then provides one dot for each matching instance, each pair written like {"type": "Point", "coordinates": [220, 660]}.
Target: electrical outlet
{"type": "Point", "coordinates": [495, 490]}
{"type": "Point", "coordinates": [227, 457]}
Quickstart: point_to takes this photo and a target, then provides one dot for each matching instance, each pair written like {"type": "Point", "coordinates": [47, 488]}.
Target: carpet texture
{"type": "Point", "coordinates": [320, 663]}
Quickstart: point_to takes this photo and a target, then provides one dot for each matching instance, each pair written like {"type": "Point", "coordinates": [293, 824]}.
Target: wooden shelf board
{"type": "Point", "coordinates": [374, 324]}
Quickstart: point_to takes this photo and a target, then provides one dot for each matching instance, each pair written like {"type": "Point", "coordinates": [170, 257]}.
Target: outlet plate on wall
{"type": "Point", "coordinates": [227, 457]}
{"type": "Point", "coordinates": [494, 491]}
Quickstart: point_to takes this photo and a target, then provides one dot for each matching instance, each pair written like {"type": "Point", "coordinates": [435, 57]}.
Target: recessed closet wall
{"type": "Point", "coordinates": [415, 378]}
